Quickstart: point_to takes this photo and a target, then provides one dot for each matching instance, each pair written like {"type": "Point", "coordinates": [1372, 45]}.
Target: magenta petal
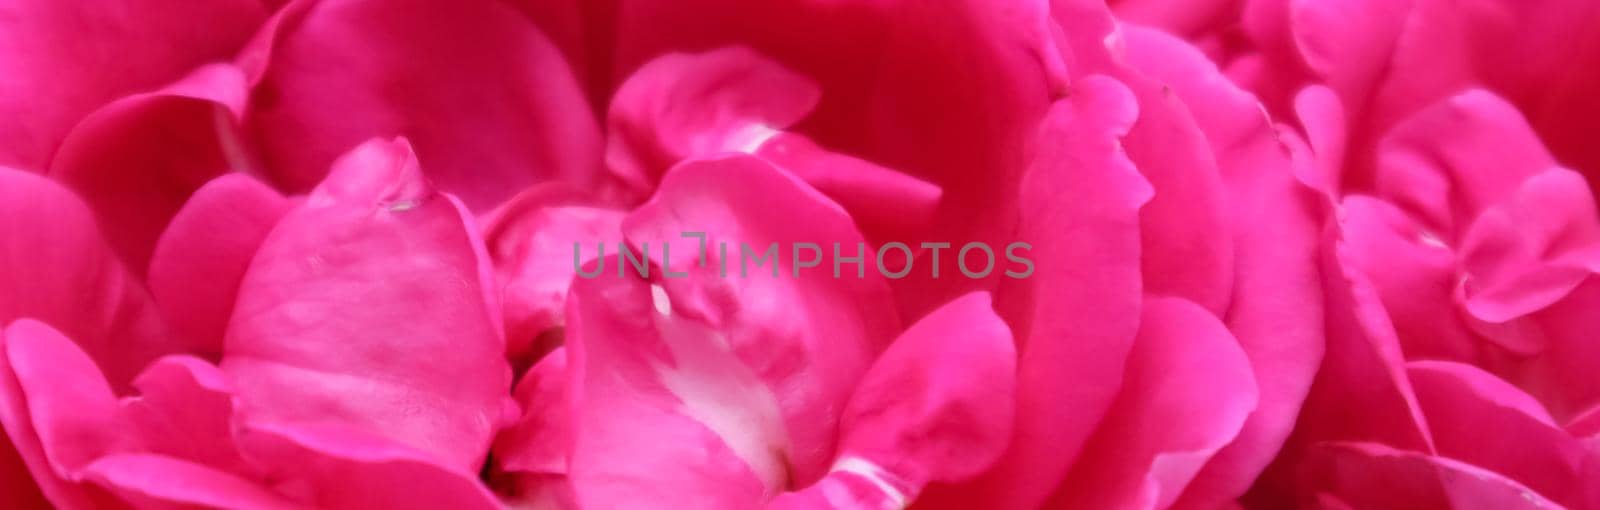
{"type": "Point", "coordinates": [337, 467]}
{"type": "Point", "coordinates": [155, 481]}
{"type": "Point", "coordinates": [1188, 391]}
{"type": "Point", "coordinates": [936, 406]}
{"type": "Point", "coordinates": [137, 160]}
{"type": "Point", "coordinates": [17, 488]}
{"type": "Point", "coordinates": [54, 267]}
{"type": "Point", "coordinates": [1414, 274]}
{"type": "Point", "coordinates": [201, 258]}
{"type": "Point", "coordinates": [369, 306]}
{"type": "Point", "coordinates": [489, 102]}
{"type": "Point", "coordinates": [806, 334]}
{"type": "Point", "coordinates": [1533, 249]}
{"type": "Point", "coordinates": [65, 59]}
{"type": "Point", "coordinates": [1075, 318]}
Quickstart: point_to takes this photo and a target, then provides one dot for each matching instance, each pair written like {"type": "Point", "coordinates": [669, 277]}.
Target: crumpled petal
{"type": "Point", "coordinates": [63, 60]}
{"type": "Point", "coordinates": [200, 260]}
{"type": "Point", "coordinates": [137, 160]}
{"type": "Point", "coordinates": [1188, 390]}
{"type": "Point", "coordinates": [55, 268]}
{"type": "Point", "coordinates": [1075, 318]}
{"type": "Point", "coordinates": [1470, 412]}
{"type": "Point", "coordinates": [488, 101]}
{"type": "Point", "coordinates": [369, 306]}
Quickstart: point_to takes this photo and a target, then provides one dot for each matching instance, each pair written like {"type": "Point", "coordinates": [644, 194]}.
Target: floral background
{"type": "Point", "coordinates": [315, 254]}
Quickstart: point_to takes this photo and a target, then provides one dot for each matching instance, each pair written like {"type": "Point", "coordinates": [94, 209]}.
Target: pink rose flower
{"type": "Point", "coordinates": [798, 254]}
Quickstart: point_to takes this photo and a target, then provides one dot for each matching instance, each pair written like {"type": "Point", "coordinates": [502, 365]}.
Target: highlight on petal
{"type": "Point", "coordinates": [370, 306]}
{"type": "Point", "coordinates": [1375, 476]}
{"type": "Point", "coordinates": [148, 481]}
{"type": "Point", "coordinates": [66, 59]}
{"type": "Point", "coordinates": [202, 256]}
{"type": "Point", "coordinates": [489, 102]}
{"type": "Point", "coordinates": [57, 409]}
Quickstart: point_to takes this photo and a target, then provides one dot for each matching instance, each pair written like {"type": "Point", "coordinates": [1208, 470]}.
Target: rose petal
{"type": "Point", "coordinates": [202, 257]}
{"type": "Point", "coordinates": [137, 160]}
{"type": "Point", "coordinates": [57, 409]}
{"type": "Point", "coordinates": [1187, 392]}
{"type": "Point", "coordinates": [1370, 475]}
{"type": "Point", "coordinates": [154, 481]}
{"type": "Point", "coordinates": [368, 306]}
{"type": "Point", "coordinates": [1076, 316]}
{"type": "Point", "coordinates": [63, 60]}
{"type": "Point", "coordinates": [489, 102]}
{"type": "Point", "coordinates": [55, 268]}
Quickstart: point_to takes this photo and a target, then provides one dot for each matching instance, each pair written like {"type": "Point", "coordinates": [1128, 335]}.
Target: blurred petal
{"type": "Point", "coordinates": [63, 60]}
{"type": "Point", "coordinates": [489, 102]}
{"type": "Point", "coordinates": [1378, 477]}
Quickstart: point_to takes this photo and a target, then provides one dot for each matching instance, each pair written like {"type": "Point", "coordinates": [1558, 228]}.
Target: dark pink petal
{"type": "Point", "coordinates": [155, 481]}
{"type": "Point", "coordinates": [936, 406]}
{"type": "Point", "coordinates": [63, 60]}
{"type": "Point", "coordinates": [1187, 393]}
{"type": "Point", "coordinates": [1075, 318]}
{"type": "Point", "coordinates": [532, 239]}
{"type": "Point", "coordinates": [338, 467]}
{"type": "Point", "coordinates": [137, 160]}
{"type": "Point", "coordinates": [54, 267]}
{"type": "Point", "coordinates": [369, 306]}
{"type": "Point", "coordinates": [808, 334]}
{"type": "Point", "coordinates": [1375, 476]}
{"type": "Point", "coordinates": [17, 488]}
{"type": "Point", "coordinates": [1471, 412]}
{"type": "Point", "coordinates": [733, 100]}
{"type": "Point", "coordinates": [201, 258]}
{"type": "Point", "coordinates": [663, 414]}
{"type": "Point", "coordinates": [489, 102]}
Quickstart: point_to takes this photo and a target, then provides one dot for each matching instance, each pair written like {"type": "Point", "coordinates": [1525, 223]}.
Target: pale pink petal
{"type": "Point", "coordinates": [489, 102]}
{"type": "Point", "coordinates": [369, 306]}
{"type": "Point", "coordinates": [201, 258]}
